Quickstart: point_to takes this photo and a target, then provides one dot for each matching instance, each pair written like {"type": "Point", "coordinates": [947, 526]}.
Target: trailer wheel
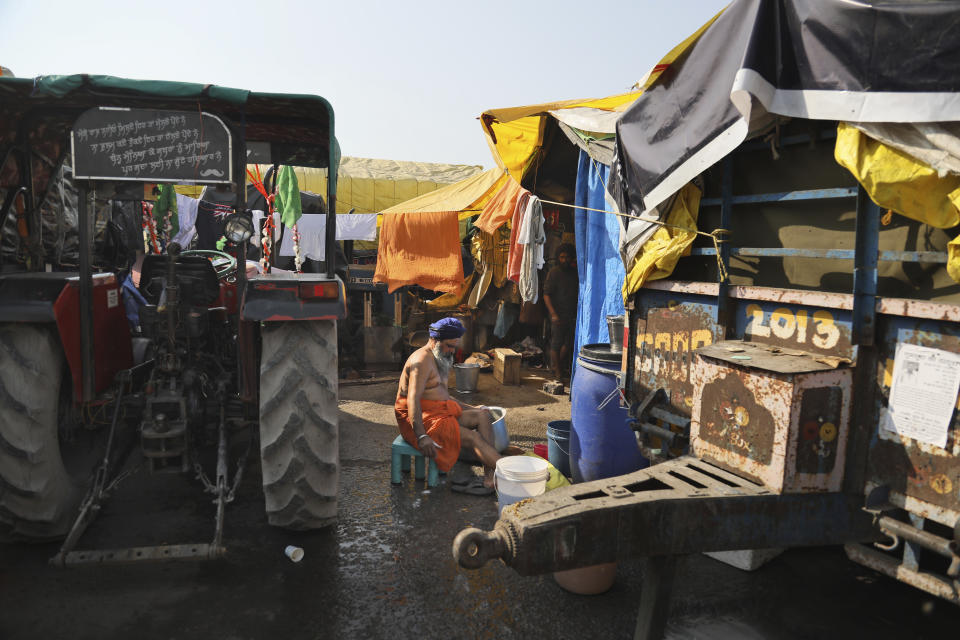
{"type": "Point", "coordinates": [299, 436]}
{"type": "Point", "coordinates": [38, 496]}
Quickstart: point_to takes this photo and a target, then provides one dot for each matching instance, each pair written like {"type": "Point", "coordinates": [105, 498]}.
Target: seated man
{"type": "Point", "coordinates": [433, 422]}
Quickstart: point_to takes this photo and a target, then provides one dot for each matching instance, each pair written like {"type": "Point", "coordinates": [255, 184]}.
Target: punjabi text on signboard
{"type": "Point", "coordinates": [150, 145]}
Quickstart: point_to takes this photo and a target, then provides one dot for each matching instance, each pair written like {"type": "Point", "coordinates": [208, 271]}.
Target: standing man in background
{"type": "Point", "coordinates": [561, 292]}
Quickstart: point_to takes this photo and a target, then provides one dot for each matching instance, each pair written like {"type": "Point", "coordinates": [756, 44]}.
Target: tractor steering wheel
{"type": "Point", "coordinates": [223, 263]}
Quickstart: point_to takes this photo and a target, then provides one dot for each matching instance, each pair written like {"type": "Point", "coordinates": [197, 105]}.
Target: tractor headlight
{"type": "Point", "coordinates": [238, 228]}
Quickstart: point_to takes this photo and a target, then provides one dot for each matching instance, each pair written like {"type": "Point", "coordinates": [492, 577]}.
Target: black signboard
{"type": "Point", "coordinates": [150, 145]}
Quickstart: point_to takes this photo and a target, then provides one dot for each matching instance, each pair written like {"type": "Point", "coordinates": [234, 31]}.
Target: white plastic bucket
{"type": "Point", "coordinates": [520, 477]}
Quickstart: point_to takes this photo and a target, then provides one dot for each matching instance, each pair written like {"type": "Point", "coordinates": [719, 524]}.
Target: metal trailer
{"type": "Point", "coordinates": [226, 354]}
{"type": "Point", "coordinates": [762, 398]}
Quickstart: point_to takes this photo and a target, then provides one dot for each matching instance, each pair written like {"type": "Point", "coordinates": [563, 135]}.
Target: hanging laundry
{"type": "Point", "coordinates": [490, 253]}
{"type": "Point", "coordinates": [422, 249]}
{"type": "Point", "coordinates": [313, 232]}
{"type": "Point", "coordinates": [287, 201]}
{"type": "Point", "coordinates": [187, 214]}
{"type": "Point", "coordinates": [515, 256]}
{"type": "Point", "coordinates": [357, 226]}
{"type": "Point", "coordinates": [313, 236]}
{"type": "Point", "coordinates": [532, 238]}
{"type": "Point", "coordinates": [501, 207]}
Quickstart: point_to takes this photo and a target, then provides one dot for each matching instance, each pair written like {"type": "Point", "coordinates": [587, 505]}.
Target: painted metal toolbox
{"type": "Point", "coordinates": [775, 415]}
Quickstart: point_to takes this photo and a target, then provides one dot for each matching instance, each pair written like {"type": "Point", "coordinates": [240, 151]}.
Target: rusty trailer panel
{"type": "Point", "coordinates": [921, 477]}
{"type": "Point", "coordinates": [810, 328]}
{"type": "Point", "coordinates": [665, 331]}
{"type": "Point", "coordinates": [666, 326]}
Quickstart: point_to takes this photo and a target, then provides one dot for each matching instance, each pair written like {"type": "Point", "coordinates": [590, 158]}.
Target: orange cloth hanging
{"type": "Point", "coordinates": [420, 248]}
{"type": "Point", "coordinates": [515, 258]}
{"type": "Point", "coordinates": [501, 206]}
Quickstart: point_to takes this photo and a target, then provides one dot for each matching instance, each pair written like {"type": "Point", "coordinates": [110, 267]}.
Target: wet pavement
{"type": "Point", "coordinates": [386, 569]}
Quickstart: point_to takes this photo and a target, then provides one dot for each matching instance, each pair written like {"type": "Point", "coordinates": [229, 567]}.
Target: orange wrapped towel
{"type": "Point", "coordinates": [501, 206]}
{"type": "Point", "coordinates": [440, 423]}
{"type": "Point", "coordinates": [420, 248]}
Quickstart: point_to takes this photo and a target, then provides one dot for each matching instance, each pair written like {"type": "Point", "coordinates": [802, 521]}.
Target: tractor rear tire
{"type": "Point", "coordinates": [38, 497]}
{"type": "Point", "coordinates": [299, 436]}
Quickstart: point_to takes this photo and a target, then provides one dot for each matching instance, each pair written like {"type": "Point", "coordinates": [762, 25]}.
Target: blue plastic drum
{"type": "Point", "coordinates": [602, 444]}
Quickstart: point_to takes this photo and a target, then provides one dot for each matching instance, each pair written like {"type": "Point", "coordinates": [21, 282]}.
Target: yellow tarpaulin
{"type": "Point", "coordinates": [370, 185]}
{"type": "Point", "coordinates": [658, 256]}
{"type": "Point", "coordinates": [515, 134]}
{"type": "Point", "coordinates": [897, 181]}
{"type": "Point", "coordinates": [467, 196]}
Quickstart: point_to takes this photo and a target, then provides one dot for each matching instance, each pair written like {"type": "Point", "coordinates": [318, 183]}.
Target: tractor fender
{"type": "Point", "coordinates": [297, 297]}
{"type": "Point", "coordinates": [55, 298]}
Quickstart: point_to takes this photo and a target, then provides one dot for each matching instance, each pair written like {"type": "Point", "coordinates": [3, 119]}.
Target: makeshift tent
{"type": "Point", "coordinates": [598, 258]}
{"type": "Point", "coordinates": [466, 196]}
{"type": "Point", "coordinates": [371, 186]}
{"type": "Point", "coordinates": [550, 148]}
{"type": "Point", "coordinates": [519, 136]}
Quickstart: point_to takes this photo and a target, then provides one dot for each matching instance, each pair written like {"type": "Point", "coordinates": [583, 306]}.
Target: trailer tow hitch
{"type": "Point", "coordinates": [675, 508]}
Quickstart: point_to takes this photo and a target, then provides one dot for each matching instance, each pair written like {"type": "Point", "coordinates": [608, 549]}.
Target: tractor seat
{"type": "Point", "coordinates": [199, 286]}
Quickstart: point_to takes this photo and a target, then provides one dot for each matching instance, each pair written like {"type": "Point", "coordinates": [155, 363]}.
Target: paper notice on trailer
{"type": "Point", "coordinates": [924, 393]}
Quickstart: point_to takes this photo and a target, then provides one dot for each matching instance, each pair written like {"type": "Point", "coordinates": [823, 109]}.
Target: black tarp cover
{"type": "Point", "coordinates": [816, 59]}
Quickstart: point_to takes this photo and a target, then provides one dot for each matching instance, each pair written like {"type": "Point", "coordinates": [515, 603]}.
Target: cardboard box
{"type": "Point", "coordinates": [506, 366]}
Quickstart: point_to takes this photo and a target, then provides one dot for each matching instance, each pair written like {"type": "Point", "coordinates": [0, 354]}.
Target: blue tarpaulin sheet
{"type": "Point", "coordinates": [598, 258]}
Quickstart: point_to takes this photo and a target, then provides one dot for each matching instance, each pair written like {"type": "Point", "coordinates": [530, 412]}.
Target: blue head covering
{"type": "Point", "coordinates": [446, 329]}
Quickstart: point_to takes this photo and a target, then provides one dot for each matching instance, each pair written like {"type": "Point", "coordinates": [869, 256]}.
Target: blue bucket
{"type": "Point", "coordinates": [602, 444]}
{"type": "Point", "coordinates": [558, 445]}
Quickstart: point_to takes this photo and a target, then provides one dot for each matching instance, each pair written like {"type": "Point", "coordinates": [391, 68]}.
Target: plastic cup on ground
{"type": "Point", "coordinates": [294, 553]}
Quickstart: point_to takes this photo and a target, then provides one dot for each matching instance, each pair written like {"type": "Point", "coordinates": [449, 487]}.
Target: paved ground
{"type": "Point", "coordinates": [386, 570]}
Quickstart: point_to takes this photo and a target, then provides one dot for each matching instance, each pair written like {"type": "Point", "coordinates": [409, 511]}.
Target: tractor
{"type": "Point", "coordinates": [193, 355]}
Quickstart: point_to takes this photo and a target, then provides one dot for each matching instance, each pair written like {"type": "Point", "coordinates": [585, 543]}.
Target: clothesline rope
{"type": "Point", "coordinates": [715, 235]}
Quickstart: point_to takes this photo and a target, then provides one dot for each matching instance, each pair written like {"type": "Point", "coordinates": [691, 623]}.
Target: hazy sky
{"type": "Point", "coordinates": [407, 80]}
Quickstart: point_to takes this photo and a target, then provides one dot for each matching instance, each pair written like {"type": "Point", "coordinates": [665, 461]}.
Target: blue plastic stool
{"type": "Point", "coordinates": [401, 453]}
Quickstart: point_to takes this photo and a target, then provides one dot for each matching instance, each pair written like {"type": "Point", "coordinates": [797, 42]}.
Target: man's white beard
{"type": "Point", "coordinates": [444, 362]}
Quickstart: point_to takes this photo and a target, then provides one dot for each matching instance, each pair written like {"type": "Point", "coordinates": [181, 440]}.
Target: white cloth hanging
{"type": "Point", "coordinates": [357, 226]}
{"type": "Point", "coordinates": [187, 219]}
{"type": "Point", "coordinates": [313, 234]}
{"type": "Point", "coordinates": [532, 237]}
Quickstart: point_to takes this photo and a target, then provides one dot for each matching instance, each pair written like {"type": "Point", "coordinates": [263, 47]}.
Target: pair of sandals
{"type": "Point", "coordinates": [472, 485]}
